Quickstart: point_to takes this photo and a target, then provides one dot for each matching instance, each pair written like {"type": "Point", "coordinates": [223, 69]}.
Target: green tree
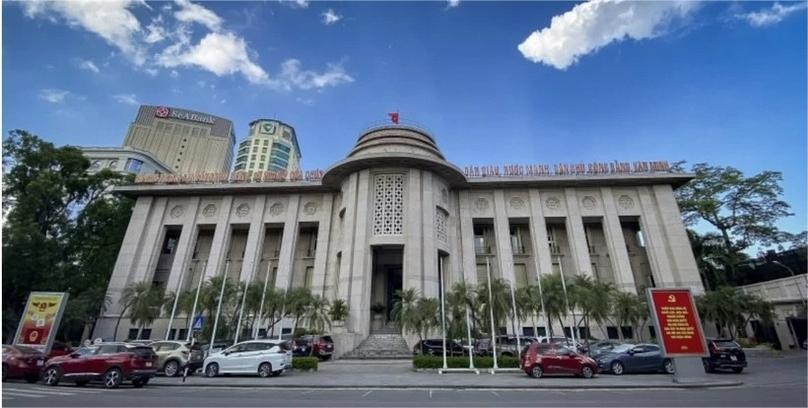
{"type": "Point", "coordinates": [624, 309]}
{"type": "Point", "coordinates": [593, 298]}
{"type": "Point", "coordinates": [316, 315]}
{"type": "Point", "coordinates": [338, 310]}
{"type": "Point", "coordinates": [62, 230]}
{"type": "Point", "coordinates": [555, 303]}
{"type": "Point", "coordinates": [405, 310]}
{"type": "Point", "coordinates": [499, 301]}
{"type": "Point", "coordinates": [743, 210]}
{"type": "Point", "coordinates": [297, 302]}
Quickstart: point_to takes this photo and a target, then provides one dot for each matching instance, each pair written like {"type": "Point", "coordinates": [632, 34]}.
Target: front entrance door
{"type": "Point", "coordinates": [387, 280]}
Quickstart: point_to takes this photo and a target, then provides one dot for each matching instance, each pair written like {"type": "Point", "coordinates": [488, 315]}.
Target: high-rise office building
{"type": "Point", "coordinates": [185, 141]}
{"type": "Point", "coordinates": [270, 146]}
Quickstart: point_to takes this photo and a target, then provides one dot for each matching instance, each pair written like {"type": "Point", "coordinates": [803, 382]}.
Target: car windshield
{"type": "Point", "coordinates": [27, 350]}
{"type": "Point", "coordinates": [86, 351]}
{"type": "Point", "coordinates": [726, 344]}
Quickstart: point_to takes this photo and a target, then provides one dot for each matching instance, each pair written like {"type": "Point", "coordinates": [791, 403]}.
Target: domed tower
{"type": "Point", "coordinates": [395, 211]}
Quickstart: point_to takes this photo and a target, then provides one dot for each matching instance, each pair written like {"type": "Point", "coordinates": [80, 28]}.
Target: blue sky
{"type": "Point", "coordinates": [496, 83]}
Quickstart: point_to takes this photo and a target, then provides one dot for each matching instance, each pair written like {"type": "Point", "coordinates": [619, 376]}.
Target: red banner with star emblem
{"type": "Point", "coordinates": [677, 322]}
{"type": "Point", "coordinates": [40, 320]}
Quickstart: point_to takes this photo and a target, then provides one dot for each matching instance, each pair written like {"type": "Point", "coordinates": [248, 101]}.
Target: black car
{"type": "Point", "coordinates": [321, 347]}
{"type": "Point", "coordinates": [434, 347]}
{"type": "Point", "coordinates": [724, 354]}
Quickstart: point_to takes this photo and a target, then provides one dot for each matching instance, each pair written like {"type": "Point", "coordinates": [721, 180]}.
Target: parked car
{"type": "Point", "coordinates": [566, 341]}
{"type": "Point", "coordinates": [110, 363]}
{"type": "Point", "coordinates": [173, 356]}
{"type": "Point", "coordinates": [506, 345]}
{"type": "Point", "coordinates": [548, 358]}
{"type": "Point", "coordinates": [59, 349]}
{"type": "Point", "coordinates": [434, 347]}
{"type": "Point", "coordinates": [22, 362]}
{"type": "Point", "coordinates": [635, 358]}
{"type": "Point", "coordinates": [141, 342]}
{"type": "Point", "coordinates": [217, 347]}
{"type": "Point", "coordinates": [263, 357]}
{"type": "Point", "coordinates": [313, 345]}
{"type": "Point", "coordinates": [601, 347]}
{"type": "Point", "coordinates": [724, 354]}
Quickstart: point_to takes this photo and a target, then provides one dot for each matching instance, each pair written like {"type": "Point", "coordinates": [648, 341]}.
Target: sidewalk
{"type": "Point", "coordinates": [399, 374]}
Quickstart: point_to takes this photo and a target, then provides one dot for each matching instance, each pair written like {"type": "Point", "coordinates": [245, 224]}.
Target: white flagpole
{"type": "Point", "coordinates": [263, 298]}
{"type": "Point", "coordinates": [280, 321]}
{"type": "Point", "coordinates": [442, 308]}
{"type": "Point", "coordinates": [491, 310]}
{"type": "Point", "coordinates": [567, 301]}
{"type": "Point", "coordinates": [516, 318]}
{"type": "Point", "coordinates": [219, 307]}
{"type": "Point", "coordinates": [176, 300]}
{"type": "Point", "coordinates": [468, 333]}
{"type": "Point", "coordinates": [541, 299]}
{"type": "Point", "coordinates": [196, 298]}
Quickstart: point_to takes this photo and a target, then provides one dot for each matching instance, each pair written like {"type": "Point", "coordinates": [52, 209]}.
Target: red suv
{"type": "Point", "coordinates": [22, 362]}
{"type": "Point", "coordinates": [539, 359]}
{"type": "Point", "coordinates": [111, 363]}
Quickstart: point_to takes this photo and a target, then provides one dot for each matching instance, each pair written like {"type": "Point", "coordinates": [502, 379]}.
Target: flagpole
{"type": "Point", "coordinates": [243, 301]}
{"type": "Point", "coordinates": [176, 300]}
{"type": "Point", "coordinates": [491, 312]}
{"type": "Point", "coordinates": [196, 298]}
{"type": "Point", "coordinates": [263, 298]}
{"type": "Point", "coordinates": [567, 301]}
{"type": "Point", "coordinates": [442, 308]}
{"type": "Point", "coordinates": [516, 318]}
{"type": "Point", "coordinates": [219, 306]}
{"type": "Point", "coordinates": [468, 333]}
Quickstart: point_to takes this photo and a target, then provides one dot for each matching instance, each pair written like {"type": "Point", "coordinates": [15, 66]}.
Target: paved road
{"type": "Point", "coordinates": [771, 382]}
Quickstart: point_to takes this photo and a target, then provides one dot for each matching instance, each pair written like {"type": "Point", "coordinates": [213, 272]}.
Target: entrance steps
{"type": "Point", "coordinates": [386, 343]}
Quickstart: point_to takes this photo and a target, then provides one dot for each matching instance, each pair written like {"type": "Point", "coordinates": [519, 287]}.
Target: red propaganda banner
{"type": "Point", "coordinates": [40, 320]}
{"type": "Point", "coordinates": [677, 322]}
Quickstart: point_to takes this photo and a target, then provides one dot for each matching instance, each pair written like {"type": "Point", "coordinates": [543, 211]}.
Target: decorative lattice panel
{"type": "Point", "coordinates": [388, 214]}
{"type": "Point", "coordinates": [440, 224]}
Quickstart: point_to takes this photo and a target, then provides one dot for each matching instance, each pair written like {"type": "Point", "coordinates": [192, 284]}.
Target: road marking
{"type": "Point", "coordinates": [366, 394]}
{"type": "Point", "coordinates": [22, 394]}
{"type": "Point", "coordinates": [36, 391]}
{"type": "Point", "coordinates": [495, 393]}
{"type": "Point", "coordinates": [307, 392]}
{"type": "Point", "coordinates": [430, 393]}
{"type": "Point", "coordinates": [7, 398]}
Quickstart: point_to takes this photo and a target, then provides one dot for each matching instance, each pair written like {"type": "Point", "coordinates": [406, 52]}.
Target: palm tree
{"type": "Point", "coordinates": [427, 316]}
{"type": "Point", "coordinates": [598, 306]}
{"type": "Point", "coordinates": [296, 302]}
{"type": "Point", "coordinates": [529, 304]}
{"type": "Point", "coordinates": [146, 304]}
{"type": "Point", "coordinates": [624, 308]}
{"type": "Point", "coordinates": [555, 303]}
{"type": "Point", "coordinates": [185, 304]}
{"type": "Point", "coordinates": [316, 316]}
{"type": "Point", "coordinates": [467, 293]}
{"type": "Point", "coordinates": [209, 302]}
{"type": "Point", "coordinates": [252, 302]}
{"type": "Point", "coordinates": [404, 311]}
{"type": "Point", "coordinates": [500, 299]}
{"type": "Point", "coordinates": [130, 293]}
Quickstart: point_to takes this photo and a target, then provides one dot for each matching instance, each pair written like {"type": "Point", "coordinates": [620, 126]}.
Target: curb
{"type": "Point", "coordinates": [468, 387]}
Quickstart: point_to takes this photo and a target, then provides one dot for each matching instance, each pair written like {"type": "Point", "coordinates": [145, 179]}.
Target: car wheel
{"type": "Point", "coordinates": [31, 379]}
{"type": "Point", "coordinates": [617, 368]}
{"type": "Point", "coordinates": [737, 370]}
{"type": "Point", "coordinates": [52, 376]}
{"type": "Point", "coordinates": [669, 367]}
{"type": "Point", "coordinates": [536, 371]}
{"type": "Point", "coordinates": [587, 372]}
{"type": "Point", "coordinates": [707, 367]}
{"type": "Point", "coordinates": [113, 378]}
{"type": "Point", "coordinates": [277, 373]}
{"type": "Point", "coordinates": [212, 370]}
{"type": "Point", "coordinates": [171, 368]}
{"type": "Point", "coordinates": [81, 383]}
{"type": "Point", "coordinates": [265, 370]}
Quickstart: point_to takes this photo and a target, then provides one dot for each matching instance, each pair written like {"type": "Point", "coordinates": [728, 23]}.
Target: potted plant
{"type": "Point", "coordinates": [338, 312]}
{"type": "Point", "coordinates": [378, 309]}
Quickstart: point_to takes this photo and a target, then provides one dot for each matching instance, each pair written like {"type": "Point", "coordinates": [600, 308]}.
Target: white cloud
{"type": "Point", "coordinates": [220, 53]}
{"type": "Point", "coordinates": [194, 13]}
{"type": "Point", "coordinates": [53, 95]}
{"type": "Point", "coordinates": [155, 32]}
{"type": "Point", "coordinates": [292, 76]}
{"type": "Point", "coordinates": [88, 65]}
{"type": "Point", "coordinates": [770, 16]}
{"type": "Point", "coordinates": [331, 17]}
{"type": "Point", "coordinates": [129, 99]}
{"type": "Point", "coordinates": [174, 73]}
{"type": "Point", "coordinates": [295, 3]}
{"type": "Point", "coordinates": [452, 3]}
{"type": "Point", "coordinates": [595, 24]}
{"type": "Point", "coordinates": [111, 20]}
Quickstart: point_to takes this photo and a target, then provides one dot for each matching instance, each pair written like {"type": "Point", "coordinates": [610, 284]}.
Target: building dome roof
{"type": "Point", "coordinates": [394, 146]}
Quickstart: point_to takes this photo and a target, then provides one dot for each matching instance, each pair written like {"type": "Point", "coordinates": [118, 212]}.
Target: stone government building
{"type": "Point", "coordinates": [395, 214]}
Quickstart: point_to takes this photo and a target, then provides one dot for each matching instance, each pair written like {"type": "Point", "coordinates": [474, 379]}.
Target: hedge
{"type": "Point", "coordinates": [435, 362]}
{"type": "Point", "coordinates": [305, 363]}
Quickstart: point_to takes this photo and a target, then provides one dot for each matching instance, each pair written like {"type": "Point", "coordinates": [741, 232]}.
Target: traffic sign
{"type": "Point", "coordinates": [198, 322]}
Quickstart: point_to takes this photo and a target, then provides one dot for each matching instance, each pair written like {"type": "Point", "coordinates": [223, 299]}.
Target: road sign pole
{"type": "Point", "coordinates": [196, 297]}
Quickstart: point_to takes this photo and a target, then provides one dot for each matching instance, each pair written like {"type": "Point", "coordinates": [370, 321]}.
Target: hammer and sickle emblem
{"type": "Point", "coordinates": [671, 299]}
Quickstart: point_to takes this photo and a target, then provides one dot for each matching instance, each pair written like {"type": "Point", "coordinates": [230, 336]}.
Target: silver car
{"type": "Point", "coordinates": [173, 356]}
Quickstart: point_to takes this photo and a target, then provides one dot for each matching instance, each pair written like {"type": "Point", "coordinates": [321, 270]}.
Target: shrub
{"type": "Point", "coordinates": [435, 362]}
{"type": "Point", "coordinates": [305, 363]}
{"type": "Point", "coordinates": [338, 310]}
{"type": "Point", "coordinates": [746, 342]}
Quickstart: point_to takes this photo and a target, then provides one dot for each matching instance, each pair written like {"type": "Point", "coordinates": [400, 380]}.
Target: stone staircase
{"type": "Point", "coordinates": [386, 343]}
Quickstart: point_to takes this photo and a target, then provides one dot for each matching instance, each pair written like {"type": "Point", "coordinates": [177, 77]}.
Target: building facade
{"type": "Point", "coordinates": [394, 214]}
{"type": "Point", "coordinates": [124, 159]}
{"type": "Point", "coordinates": [185, 141]}
{"type": "Point", "coordinates": [271, 146]}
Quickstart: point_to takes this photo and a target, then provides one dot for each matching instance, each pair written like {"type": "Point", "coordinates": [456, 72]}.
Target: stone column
{"type": "Point", "coordinates": [343, 281]}
{"type": "Point", "coordinates": [323, 243]}
{"type": "Point", "coordinates": [538, 234]}
{"type": "Point", "coordinates": [152, 240]}
{"type": "Point", "coordinates": [502, 231]}
{"type": "Point", "coordinates": [468, 257]}
{"type": "Point", "coordinates": [455, 259]}
{"type": "Point", "coordinates": [127, 256]}
{"type": "Point", "coordinates": [185, 245]}
{"type": "Point", "coordinates": [288, 244]}
{"type": "Point", "coordinates": [255, 239]}
{"type": "Point", "coordinates": [425, 207]}
{"type": "Point", "coordinates": [576, 235]}
{"type": "Point", "coordinates": [413, 262]}
{"type": "Point", "coordinates": [359, 269]}
{"type": "Point", "coordinates": [685, 271]}
{"type": "Point", "coordinates": [221, 237]}
{"type": "Point", "coordinates": [618, 254]}
{"type": "Point", "coordinates": [655, 240]}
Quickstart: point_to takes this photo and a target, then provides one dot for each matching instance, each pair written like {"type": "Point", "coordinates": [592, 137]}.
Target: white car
{"type": "Point", "coordinates": [263, 357]}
